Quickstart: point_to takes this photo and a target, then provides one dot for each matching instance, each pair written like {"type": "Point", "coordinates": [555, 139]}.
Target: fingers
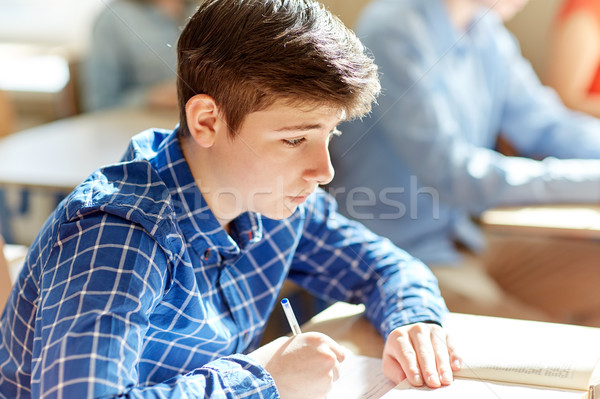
{"type": "Point", "coordinates": [402, 353]}
{"type": "Point", "coordinates": [336, 371]}
{"type": "Point", "coordinates": [331, 353]}
{"type": "Point", "coordinates": [422, 353]}
{"type": "Point", "coordinates": [455, 359]}
{"type": "Point", "coordinates": [421, 339]}
{"type": "Point", "coordinates": [394, 371]}
{"type": "Point", "coordinates": [305, 365]}
{"type": "Point", "coordinates": [442, 355]}
{"type": "Point", "coordinates": [338, 350]}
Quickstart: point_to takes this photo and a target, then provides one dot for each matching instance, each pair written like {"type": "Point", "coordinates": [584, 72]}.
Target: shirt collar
{"type": "Point", "coordinates": [448, 37]}
{"type": "Point", "coordinates": [197, 222]}
{"type": "Point", "coordinates": [436, 14]}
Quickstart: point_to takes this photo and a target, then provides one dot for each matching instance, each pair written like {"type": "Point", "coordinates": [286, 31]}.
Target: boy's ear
{"type": "Point", "coordinates": [203, 119]}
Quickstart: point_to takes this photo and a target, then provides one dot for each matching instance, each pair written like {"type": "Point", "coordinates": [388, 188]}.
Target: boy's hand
{"type": "Point", "coordinates": [422, 353]}
{"type": "Point", "coordinates": [303, 366]}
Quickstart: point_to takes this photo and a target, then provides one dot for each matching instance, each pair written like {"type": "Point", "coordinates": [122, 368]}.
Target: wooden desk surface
{"type": "Point", "coordinates": [61, 154]}
{"type": "Point", "coordinates": [481, 341]}
{"type": "Point", "coordinates": [346, 324]}
{"type": "Point", "coordinates": [566, 220]}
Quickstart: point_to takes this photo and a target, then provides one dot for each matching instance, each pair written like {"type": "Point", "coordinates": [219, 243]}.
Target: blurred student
{"type": "Point", "coordinates": [423, 165]}
{"type": "Point", "coordinates": [154, 278]}
{"type": "Point", "coordinates": [573, 67]}
{"type": "Point", "coordinates": [131, 59]}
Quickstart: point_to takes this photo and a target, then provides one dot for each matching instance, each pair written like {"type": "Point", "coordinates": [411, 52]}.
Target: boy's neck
{"type": "Point", "coordinates": [204, 183]}
{"type": "Point", "coordinates": [461, 12]}
{"type": "Point", "coordinates": [174, 9]}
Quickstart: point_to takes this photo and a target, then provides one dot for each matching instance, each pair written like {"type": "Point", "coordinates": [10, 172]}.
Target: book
{"type": "Point", "coordinates": [508, 358]}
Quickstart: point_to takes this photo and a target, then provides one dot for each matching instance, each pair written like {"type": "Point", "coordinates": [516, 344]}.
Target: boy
{"type": "Point", "coordinates": [156, 275]}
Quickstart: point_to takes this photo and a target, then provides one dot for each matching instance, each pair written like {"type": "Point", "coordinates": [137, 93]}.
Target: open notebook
{"type": "Point", "coordinates": [503, 359]}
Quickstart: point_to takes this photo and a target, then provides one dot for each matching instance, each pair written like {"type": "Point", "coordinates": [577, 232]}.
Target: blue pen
{"type": "Point", "coordinates": [289, 313]}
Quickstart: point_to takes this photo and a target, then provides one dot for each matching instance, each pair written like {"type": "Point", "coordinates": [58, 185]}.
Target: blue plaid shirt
{"type": "Point", "coordinates": [132, 288]}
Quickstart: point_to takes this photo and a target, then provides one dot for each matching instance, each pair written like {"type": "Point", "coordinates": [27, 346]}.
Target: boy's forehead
{"type": "Point", "coordinates": [292, 118]}
{"type": "Point", "coordinates": [305, 110]}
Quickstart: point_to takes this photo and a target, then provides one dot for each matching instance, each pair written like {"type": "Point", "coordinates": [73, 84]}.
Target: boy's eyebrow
{"type": "Point", "coordinates": [301, 127]}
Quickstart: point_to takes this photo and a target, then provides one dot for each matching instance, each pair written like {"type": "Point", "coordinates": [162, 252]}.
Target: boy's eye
{"type": "Point", "coordinates": [294, 142]}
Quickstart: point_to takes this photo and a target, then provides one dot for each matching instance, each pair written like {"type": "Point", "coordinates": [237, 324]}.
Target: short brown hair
{"type": "Point", "coordinates": [246, 54]}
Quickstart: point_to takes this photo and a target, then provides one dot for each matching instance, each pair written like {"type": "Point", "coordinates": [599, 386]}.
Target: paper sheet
{"type": "Point", "coordinates": [465, 388]}
{"type": "Point", "coordinates": [360, 378]}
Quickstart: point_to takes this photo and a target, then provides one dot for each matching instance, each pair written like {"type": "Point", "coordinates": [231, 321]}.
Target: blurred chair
{"type": "Point", "coordinates": [7, 126]}
{"type": "Point", "coordinates": [11, 262]}
{"type": "Point", "coordinates": [7, 115]}
{"type": "Point", "coordinates": [5, 281]}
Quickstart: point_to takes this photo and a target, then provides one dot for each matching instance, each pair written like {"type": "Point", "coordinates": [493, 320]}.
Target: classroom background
{"type": "Point", "coordinates": [53, 37]}
{"type": "Point", "coordinates": [42, 46]}
{"type": "Point", "coordinates": [57, 33]}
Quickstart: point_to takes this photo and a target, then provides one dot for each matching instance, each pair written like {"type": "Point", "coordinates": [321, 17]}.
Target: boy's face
{"type": "Point", "coordinates": [278, 157]}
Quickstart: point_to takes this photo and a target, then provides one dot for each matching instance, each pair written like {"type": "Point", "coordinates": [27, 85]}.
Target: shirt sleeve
{"type": "Point", "coordinates": [339, 259]}
{"type": "Point", "coordinates": [416, 119]}
{"type": "Point", "coordinates": [98, 289]}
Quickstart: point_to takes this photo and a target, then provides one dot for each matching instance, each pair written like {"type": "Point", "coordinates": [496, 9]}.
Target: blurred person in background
{"type": "Point", "coordinates": [424, 164]}
{"type": "Point", "coordinates": [573, 67]}
{"type": "Point", "coordinates": [131, 59]}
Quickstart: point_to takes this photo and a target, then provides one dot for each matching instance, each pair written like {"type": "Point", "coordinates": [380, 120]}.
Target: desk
{"type": "Point", "coordinates": [59, 155]}
{"type": "Point", "coordinates": [345, 323]}
{"type": "Point", "coordinates": [564, 220]}
{"type": "Point", "coordinates": [40, 97]}
{"type": "Point", "coordinates": [48, 161]}
{"type": "Point", "coordinates": [493, 350]}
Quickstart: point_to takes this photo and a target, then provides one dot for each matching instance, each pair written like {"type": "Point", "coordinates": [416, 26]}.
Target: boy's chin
{"type": "Point", "coordinates": [280, 214]}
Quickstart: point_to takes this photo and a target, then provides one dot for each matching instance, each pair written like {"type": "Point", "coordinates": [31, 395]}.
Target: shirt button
{"type": "Point", "coordinates": [207, 254]}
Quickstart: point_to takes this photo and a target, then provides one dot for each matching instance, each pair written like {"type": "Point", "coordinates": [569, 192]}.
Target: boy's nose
{"type": "Point", "coordinates": [320, 169]}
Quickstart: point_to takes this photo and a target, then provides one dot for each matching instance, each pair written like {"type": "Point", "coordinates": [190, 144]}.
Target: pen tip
{"type": "Point", "coordinates": [284, 301]}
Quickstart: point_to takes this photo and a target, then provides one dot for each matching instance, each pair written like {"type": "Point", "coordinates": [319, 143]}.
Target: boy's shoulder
{"type": "Point", "coordinates": [131, 189]}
